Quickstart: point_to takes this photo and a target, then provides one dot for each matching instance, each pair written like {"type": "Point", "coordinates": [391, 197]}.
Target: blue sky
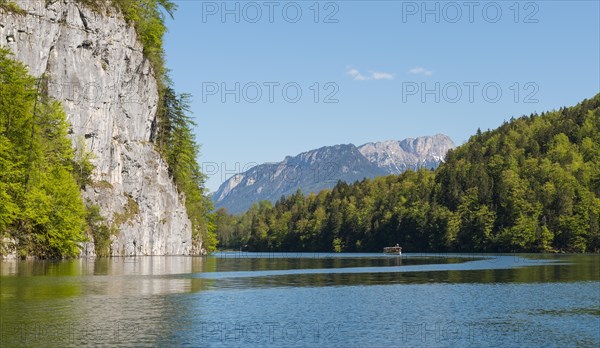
{"type": "Point", "coordinates": [378, 67]}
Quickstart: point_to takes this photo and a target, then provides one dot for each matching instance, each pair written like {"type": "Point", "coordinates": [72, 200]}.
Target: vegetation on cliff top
{"type": "Point", "coordinates": [531, 185]}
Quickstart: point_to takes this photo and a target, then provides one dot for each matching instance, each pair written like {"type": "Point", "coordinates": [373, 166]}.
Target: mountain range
{"type": "Point", "coordinates": [316, 170]}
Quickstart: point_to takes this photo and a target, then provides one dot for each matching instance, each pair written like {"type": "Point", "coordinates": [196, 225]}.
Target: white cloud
{"type": "Point", "coordinates": [378, 75]}
{"type": "Point", "coordinates": [420, 71]}
{"type": "Point", "coordinates": [373, 75]}
{"type": "Point", "coordinates": [356, 75]}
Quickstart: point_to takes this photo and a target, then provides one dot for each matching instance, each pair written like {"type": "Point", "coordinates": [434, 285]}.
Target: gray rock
{"type": "Point", "coordinates": [396, 157]}
{"type": "Point", "coordinates": [320, 169]}
{"type": "Point", "coordinates": [96, 67]}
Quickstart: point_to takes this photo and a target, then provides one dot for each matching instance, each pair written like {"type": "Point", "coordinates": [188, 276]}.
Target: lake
{"type": "Point", "coordinates": [303, 299]}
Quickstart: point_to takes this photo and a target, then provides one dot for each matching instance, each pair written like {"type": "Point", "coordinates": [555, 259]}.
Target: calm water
{"type": "Point", "coordinates": [341, 300]}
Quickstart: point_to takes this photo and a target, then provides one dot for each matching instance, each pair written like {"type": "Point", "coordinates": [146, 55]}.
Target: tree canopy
{"type": "Point", "coordinates": [40, 199]}
{"type": "Point", "coordinates": [532, 185]}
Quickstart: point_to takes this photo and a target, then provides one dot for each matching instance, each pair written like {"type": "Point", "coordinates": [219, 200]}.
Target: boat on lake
{"type": "Point", "coordinates": [393, 250]}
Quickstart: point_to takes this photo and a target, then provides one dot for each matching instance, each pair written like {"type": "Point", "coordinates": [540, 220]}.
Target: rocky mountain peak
{"type": "Point", "coordinates": [322, 168]}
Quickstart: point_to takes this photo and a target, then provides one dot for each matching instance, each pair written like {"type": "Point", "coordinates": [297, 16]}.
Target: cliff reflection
{"type": "Point", "coordinates": [102, 276]}
{"type": "Point", "coordinates": [106, 301]}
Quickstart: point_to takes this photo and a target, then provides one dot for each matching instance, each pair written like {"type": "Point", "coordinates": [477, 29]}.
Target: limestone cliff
{"type": "Point", "coordinates": [95, 66]}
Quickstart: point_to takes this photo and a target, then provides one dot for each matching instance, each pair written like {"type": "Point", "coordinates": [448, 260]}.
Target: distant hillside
{"type": "Point", "coordinates": [531, 185]}
{"type": "Point", "coordinates": [319, 169]}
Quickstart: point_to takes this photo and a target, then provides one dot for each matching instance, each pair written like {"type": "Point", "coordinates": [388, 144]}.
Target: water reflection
{"type": "Point", "coordinates": [199, 300]}
{"type": "Point", "coordinates": [87, 302]}
{"type": "Point", "coordinates": [147, 276]}
{"type": "Point", "coordinates": [102, 276]}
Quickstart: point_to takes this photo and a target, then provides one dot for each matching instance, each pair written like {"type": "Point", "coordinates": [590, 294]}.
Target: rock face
{"type": "Point", "coordinates": [397, 156]}
{"type": "Point", "coordinates": [310, 171]}
{"type": "Point", "coordinates": [320, 169]}
{"type": "Point", "coordinates": [95, 66]}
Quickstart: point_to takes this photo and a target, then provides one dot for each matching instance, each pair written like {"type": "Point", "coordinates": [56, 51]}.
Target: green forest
{"type": "Point", "coordinates": [40, 199]}
{"type": "Point", "coordinates": [531, 185]}
{"type": "Point", "coordinates": [41, 175]}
